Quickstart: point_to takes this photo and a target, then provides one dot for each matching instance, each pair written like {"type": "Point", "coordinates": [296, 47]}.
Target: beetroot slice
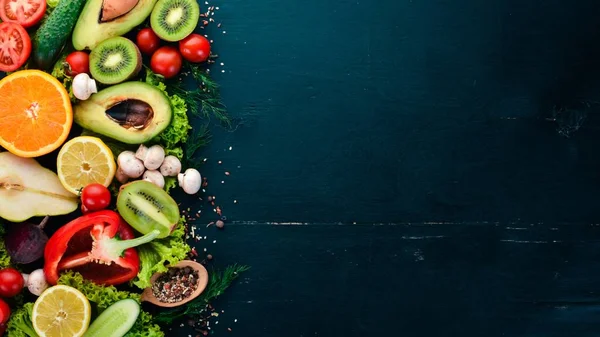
{"type": "Point", "coordinates": [25, 242]}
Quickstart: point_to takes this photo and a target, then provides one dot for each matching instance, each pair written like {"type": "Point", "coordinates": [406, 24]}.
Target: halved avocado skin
{"type": "Point", "coordinates": [89, 32]}
{"type": "Point", "coordinates": [91, 113]}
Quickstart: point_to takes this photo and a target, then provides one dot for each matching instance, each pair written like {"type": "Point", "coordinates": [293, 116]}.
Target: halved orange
{"type": "Point", "coordinates": [35, 113]}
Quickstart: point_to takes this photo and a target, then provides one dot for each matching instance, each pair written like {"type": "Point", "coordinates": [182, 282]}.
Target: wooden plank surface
{"type": "Point", "coordinates": [415, 148]}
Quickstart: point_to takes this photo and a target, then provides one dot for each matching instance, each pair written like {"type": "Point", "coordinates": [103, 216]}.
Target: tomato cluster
{"type": "Point", "coordinates": [11, 284]}
{"type": "Point", "coordinates": [15, 43]}
{"type": "Point", "coordinates": [167, 60]}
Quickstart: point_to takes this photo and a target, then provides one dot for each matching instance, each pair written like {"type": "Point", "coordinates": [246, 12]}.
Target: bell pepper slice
{"type": "Point", "coordinates": [99, 245]}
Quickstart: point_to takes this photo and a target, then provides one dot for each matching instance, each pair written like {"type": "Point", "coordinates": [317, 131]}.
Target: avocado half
{"type": "Point", "coordinates": [103, 19]}
{"type": "Point", "coordinates": [130, 112]}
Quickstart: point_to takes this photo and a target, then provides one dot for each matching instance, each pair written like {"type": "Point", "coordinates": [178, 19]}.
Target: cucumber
{"type": "Point", "coordinates": [54, 32]}
{"type": "Point", "coordinates": [116, 320]}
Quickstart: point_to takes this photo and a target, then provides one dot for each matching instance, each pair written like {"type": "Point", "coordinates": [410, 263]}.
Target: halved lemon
{"type": "Point", "coordinates": [85, 160]}
{"type": "Point", "coordinates": [61, 311]}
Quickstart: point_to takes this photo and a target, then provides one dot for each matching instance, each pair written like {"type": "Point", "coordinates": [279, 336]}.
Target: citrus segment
{"type": "Point", "coordinates": [61, 311]}
{"type": "Point", "coordinates": [35, 113]}
{"type": "Point", "coordinates": [85, 160]}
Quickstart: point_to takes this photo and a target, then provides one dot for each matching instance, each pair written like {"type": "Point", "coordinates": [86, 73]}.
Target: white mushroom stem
{"type": "Point", "coordinates": [170, 167]}
{"type": "Point", "coordinates": [155, 177]}
{"type": "Point", "coordinates": [152, 156]}
{"type": "Point", "coordinates": [83, 86]}
{"type": "Point", "coordinates": [130, 165]}
{"type": "Point", "coordinates": [36, 282]}
{"type": "Point", "coordinates": [190, 181]}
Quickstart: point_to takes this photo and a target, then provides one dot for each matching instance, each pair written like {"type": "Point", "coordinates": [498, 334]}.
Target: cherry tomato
{"type": "Point", "coordinates": [11, 282]}
{"type": "Point", "coordinates": [166, 61]}
{"type": "Point", "coordinates": [147, 41]}
{"type": "Point", "coordinates": [79, 63]}
{"type": "Point", "coordinates": [24, 12]}
{"type": "Point", "coordinates": [15, 46]}
{"type": "Point", "coordinates": [4, 313]}
{"type": "Point", "coordinates": [195, 48]}
{"type": "Point", "coordinates": [94, 197]}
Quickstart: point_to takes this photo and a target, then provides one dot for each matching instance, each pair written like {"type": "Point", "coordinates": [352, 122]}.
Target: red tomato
{"type": "Point", "coordinates": [4, 313]}
{"type": "Point", "coordinates": [195, 48]}
{"type": "Point", "coordinates": [166, 61]}
{"type": "Point", "coordinates": [147, 41]}
{"type": "Point", "coordinates": [15, 46]}
{"type": "Point", "coordinates": [24, 12]}
{"type": "Point", "coordinates": [79, 63]}
{"type": "Point", "coordinates": [11, 282]}
{"type": "Point", "coordinates": [94, 197]}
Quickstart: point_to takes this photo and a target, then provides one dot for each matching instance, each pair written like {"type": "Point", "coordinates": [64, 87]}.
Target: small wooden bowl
{"type": "Point", "coordinates": [148, 295]}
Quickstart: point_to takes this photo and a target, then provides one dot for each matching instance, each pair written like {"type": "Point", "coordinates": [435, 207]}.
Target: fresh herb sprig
{"type": "Point", "coordinates": [219, 282]}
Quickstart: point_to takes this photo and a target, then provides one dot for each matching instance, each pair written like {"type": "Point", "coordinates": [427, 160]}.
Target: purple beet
{"type": "Point", "coordinates": [25, 242]}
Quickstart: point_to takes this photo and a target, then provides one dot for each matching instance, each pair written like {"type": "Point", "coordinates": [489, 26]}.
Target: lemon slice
{"type": "Point", "coordinates": [85, 160]}
{"type": "Point", "coordinates": [61, 311]}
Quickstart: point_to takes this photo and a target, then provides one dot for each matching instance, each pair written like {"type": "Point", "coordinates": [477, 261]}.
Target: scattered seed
{"type": "Point", "coordinates": [220, 223]}
{"type": "Point", "coordinates": [209, 257]}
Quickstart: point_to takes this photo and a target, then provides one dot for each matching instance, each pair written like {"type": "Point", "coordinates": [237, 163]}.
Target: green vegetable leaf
{"type": "Point", "coordinates": [155, 255]}
{"type": "Point", "coordinates": [20, 324]}
{"type": "Point", "coordinates": [58, 71]}
{"type": "Point", "coordinates": [52, 3]}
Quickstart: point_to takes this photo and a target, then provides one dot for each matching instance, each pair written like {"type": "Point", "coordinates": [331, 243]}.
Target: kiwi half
{"type": "Point", "coordinates": [173, 20]}
{"type": "Point", "coordinates": [147, 207]}
{"type": "Point", "coordinates": [115, 60]}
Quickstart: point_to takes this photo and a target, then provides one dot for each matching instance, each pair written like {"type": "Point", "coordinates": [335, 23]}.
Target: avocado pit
{"type": "Point", "coordinates": [131, 113]}
{"type": "Point", "coordinates": [112, 9]}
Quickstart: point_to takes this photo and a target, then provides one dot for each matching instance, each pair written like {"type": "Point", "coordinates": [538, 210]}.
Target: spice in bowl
{"type": "Point", "coordinates": [175, 285]}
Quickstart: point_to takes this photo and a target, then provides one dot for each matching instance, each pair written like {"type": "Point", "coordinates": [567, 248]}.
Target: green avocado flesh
{"type": "Point", "coordinates": [131, 112]}
{"type": "Point", "coordinates": [92, 28]}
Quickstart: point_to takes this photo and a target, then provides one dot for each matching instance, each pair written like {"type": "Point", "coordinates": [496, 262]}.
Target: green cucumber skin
{"type": "Point", "coordinates": [52, 35]}
{"type": "Point", "coordinates": [107, 325]}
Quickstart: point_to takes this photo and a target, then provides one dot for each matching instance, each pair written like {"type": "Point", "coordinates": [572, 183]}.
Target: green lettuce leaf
{"type": "Point", "coordinates": [176, 134]}
{"type": "Point", "coordinates": [20, 324]}
{"type": "Point", "coordinates": [58, 71]}
{"type": "Point", "coordinates": [155, 255]}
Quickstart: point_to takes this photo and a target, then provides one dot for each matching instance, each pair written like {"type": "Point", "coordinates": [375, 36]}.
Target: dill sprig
{"type": "Point", "coordinates": [205, 100]}
{"type": "Point", "coordinates": [199, 137]}
{"type": "Point", "coordinates": [218, 283]}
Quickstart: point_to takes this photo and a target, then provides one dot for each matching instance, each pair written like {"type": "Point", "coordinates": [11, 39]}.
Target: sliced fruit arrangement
{"type": "Point", "coordinates": [81, 61]}
{"type": "Point", "coordinates": [35, 113]}
{"type": "Point", "coordinates": [85, 160]}
{"type": "Point", "coordinates": [115, 60]}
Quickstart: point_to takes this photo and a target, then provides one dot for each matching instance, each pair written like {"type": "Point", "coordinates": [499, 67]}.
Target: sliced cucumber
{"type": "Point", "coordinates": [116, 320]}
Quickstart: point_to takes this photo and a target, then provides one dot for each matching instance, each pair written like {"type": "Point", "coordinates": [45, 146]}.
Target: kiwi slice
{"type": "Point", "coordinates": [173, 20]}
{"type": "Point", "coordinates": [147, 207]}
{"type": "Point", "coordinates": [115, 60]}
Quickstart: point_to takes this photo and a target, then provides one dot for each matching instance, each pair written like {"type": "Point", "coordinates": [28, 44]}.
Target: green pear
{"type": "Point", "coordinates": [27, 189]}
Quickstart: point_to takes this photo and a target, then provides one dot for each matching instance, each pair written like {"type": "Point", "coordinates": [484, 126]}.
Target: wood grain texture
{"type": "Point", "coordinates": [411, 141]}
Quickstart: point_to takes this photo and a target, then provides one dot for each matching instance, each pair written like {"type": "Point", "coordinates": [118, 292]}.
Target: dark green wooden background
{"type": "Point", "coordinates": [400, 170]}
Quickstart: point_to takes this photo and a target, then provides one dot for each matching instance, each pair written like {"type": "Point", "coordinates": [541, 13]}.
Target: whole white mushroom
{"type": "Point", "coordinates": [130, 165]}
{"type": "Point", "coordinates": [36, 282]}
{"type": "Point", "coordinates": [152, 156]}
{"type": "Point", "coordinates": [190, 181]}
{"type": "Point", "coordinates": [154, 177]}
{"type": "Point", "coordinates": [170, 167]}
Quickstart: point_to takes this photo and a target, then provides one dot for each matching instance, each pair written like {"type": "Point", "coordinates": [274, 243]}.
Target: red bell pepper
{"type": "Point", "coordinates": [98, 245]}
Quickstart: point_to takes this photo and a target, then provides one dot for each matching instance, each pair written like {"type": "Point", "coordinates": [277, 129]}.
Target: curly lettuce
{"type": "Point", "coordinates": [4, 257]}
{"type": "Point", "coordinates": [20, 324]}
{"type": "Point", "coordinates": [157, 254]}
{"type": "Point", "coordinates": [176, 134]}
